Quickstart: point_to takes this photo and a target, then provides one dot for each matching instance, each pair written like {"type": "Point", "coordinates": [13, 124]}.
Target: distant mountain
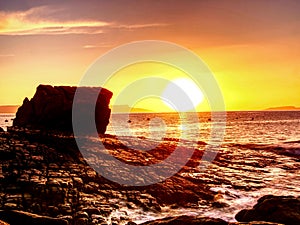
{"type": "Point", "coordinates": [283, 108]}
{"type": "Point", "coordinates": [8, 108]}
{"type": "Point", "coordinates": [126, 108]}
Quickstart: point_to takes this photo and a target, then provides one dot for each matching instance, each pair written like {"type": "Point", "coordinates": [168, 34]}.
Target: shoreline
{"type": "Point", "coordinates": [51, 164]}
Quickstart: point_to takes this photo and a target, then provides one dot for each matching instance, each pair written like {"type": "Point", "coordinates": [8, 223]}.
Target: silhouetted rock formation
{"type": "Point", "coordinates": [51, 108]}
{"type": "Point", "coordinates": [199, 220]}
{"type": "Point", "coordinates": [279, 209]}
{"type": "Point", "coordinates": [191, 220]}
{"type": "Point", "coordinates": [14, 217]}
{"type": "Point", "coordinates": [3, 223]}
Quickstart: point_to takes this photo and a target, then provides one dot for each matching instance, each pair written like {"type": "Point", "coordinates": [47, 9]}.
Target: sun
{"type": "Point", "coordinates": [182, 94]}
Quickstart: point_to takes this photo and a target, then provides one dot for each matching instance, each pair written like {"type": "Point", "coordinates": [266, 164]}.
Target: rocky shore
{"type": "Point", "coordinates": [45, 175]}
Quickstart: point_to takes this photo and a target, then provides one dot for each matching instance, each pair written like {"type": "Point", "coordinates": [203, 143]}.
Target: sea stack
{"type": "Point", "coordinates": [51, 108]}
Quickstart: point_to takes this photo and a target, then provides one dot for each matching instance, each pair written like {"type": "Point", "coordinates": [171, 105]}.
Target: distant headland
{"type": "Point", "coordinates": [284, 108]}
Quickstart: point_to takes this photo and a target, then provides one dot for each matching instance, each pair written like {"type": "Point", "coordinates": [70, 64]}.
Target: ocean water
{"type": "Point", "coordinates": [260, 155]}
{"type": "Point", "coordinates": [6, 120]}
{"type": "Point", "coordinates": [257, 127]}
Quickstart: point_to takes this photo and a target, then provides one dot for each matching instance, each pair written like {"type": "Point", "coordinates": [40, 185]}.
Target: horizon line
{"type": "Point", "coordinates": [276, 108]}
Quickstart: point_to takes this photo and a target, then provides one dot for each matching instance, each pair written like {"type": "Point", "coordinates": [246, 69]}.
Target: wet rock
{"type": "Point", "coordinates": [65, 208]}
{"type": "Point", "coordinates": [51, 108]}
{"type": "Point", "coordinates": [105, 211]}
{"type": "Point", "coordinates": [14, 217]}
{"type": "Point", "coordinates": [180, 191]}
{"type": "Point", "coordinates": [219, 204]}
{"type": "Point", "coordinates": [82, 214]}
{"type": "Point", "coordinates": [10, 205]}
{"type": "Point", "coordinates": [3, 223]}
{"type": "Point", "coordinates": [53, 211]}
{"type": "Point", "coordinates": [67, 218]}
{"type": "Point", "coordinates": [77, 181]}
{"type": "Point", "coordinates": [91, 211]}
{"type": "Point", "coordinates": [98, 218]}
{"type": "Point", "coordinates": [131, 223]}
{"type": "Point", "coordinates": [81, 221]}
{"type": "Point", "coordinates": [6, 154]}
{"type": "Point", "coordinates": [255, 223]}
{"type": "Point", "coordinates": [278, 209]}
{"type": "Point", "coordinates": [190, 220]}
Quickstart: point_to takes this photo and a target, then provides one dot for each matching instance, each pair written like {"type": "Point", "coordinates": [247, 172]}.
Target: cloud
{"type": "Point", "coordinates": [43, 21]}
{"type": "Point", "coordinates": [31, 22]}
{"type": "Point", "coordinates": [90, 46]}
{"type": "Point", "coordinates": [97, 46]}
{"type": "Point", "coordinates": [138, 26]}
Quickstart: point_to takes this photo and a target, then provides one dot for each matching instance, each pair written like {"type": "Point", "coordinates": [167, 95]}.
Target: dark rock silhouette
{"type": "Point", "coordinates": [51, 108]}
{"type": "Point", "coordinates": [198, 220]}
{"type": "Point", "coordinates": [14, 217]}
{"type": "Point", "coordinates": [279, 209]}
{"type": "Point", "coordinates": [3, 223]}
{"type": "Point", "coordinates": [191, 220]}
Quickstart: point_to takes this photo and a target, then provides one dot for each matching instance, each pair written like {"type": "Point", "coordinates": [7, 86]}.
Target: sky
{"type": "Point", "coordinates": [251, 47]}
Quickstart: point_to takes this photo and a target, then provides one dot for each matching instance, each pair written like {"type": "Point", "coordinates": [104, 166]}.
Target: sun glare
{"type": "Point", "coordinates": [182, 94]}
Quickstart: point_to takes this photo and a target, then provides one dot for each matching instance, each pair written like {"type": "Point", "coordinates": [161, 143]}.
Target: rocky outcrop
{"type": "Point", "coordinates": [3, 223]}
{"type": "Point", "coordinates": [46, 178]}
{"type": "Point", "coordinates": [51, 108]}
{"type": "Point", "coordinates": [191, 220]}
{"type": "Point", "coordinates": [279, 209]}
{"type": "Point", "coordinates": [14, 217]}
{"type": "Point", "coordinates": [255, 223]}
{"type": "Point", "coordinates": [198, 220]}
{"type": "Point", "coordinates": [44, 175]}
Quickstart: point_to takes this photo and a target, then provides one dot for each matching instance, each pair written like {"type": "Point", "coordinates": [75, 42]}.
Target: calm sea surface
{"type": "Point", "coordinates": [257, 127]}
{"type": "Point", "coordinates": [253, 164]}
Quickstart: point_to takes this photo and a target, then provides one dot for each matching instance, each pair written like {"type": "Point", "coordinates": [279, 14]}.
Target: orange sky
{"type": "Point", "coordinates": [252, 47]}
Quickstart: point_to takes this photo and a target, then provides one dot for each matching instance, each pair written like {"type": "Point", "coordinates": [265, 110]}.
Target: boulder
{"type": "Point", "coordinates": [6, 154]}
{"type": "Point", "coordinates": [179, 191]}
{"type": "Point", "coordinates": [14, 217]}
{"type": "Point", "coordinates": [278, 209]}
{"type": "Point", "coordinates": [255, 223]}
{"type": "Point", "coordinates": [51, 108]}
{"type": "Point", "coordinates": [3, 223]}
{"type": "Point", "coordinates": [188, 220]}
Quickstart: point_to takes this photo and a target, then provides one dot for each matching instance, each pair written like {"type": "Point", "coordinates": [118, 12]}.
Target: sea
{"type": "Point", "coordinates": [6, 120]}
{"type": "Point", "coordinates": [260, 150]}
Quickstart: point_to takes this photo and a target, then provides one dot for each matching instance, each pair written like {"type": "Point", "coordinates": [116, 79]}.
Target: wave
{"type": "Point", "coordinates": [292, 142]}
{"type": "Point", "coordinates": [291, 148]}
